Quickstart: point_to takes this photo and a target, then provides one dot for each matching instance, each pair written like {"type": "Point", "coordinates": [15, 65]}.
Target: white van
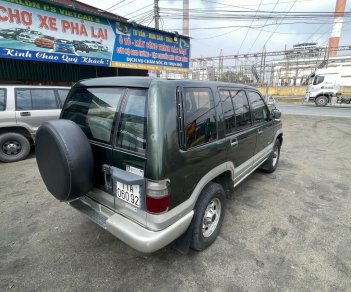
{"type": "Point", "coordinates": [23, 109]}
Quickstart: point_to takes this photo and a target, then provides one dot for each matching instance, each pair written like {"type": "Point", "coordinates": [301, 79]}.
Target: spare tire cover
{"type": "Point", "coordinates": [65, 159]}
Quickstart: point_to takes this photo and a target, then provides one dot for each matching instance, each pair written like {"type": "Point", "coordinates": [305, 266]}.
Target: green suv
{"type": "Point", "coordinates": [152, 161]}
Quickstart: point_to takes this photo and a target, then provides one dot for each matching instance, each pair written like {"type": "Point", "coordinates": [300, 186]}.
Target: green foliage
{"type": "Point", "coordinates": [236, 77]}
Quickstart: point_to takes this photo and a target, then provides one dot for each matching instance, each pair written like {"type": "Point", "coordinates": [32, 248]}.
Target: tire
{"type": "Point", "coordinates": [211, 200]}
{"type": "Point", "coordinates": [321, 101]}
{"type": "Point", "coordinates": [270, 165]}
{"type": "Point", "coordinates": [13, 147]}
{"type": "Point", "coordinates": [65, 159]}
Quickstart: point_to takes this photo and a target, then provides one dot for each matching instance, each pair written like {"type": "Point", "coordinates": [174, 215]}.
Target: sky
{"type": "Point", "coordinates": [209, 37]}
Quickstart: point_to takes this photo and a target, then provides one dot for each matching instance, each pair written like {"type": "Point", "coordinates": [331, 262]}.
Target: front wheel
{"type": "Point", "coordinates": [209, 215]}
{"type": "Point", "coordinates": [13, 147]}
{"type": "Point", "coordinates": [321, 101]}
{"type": "Point", "coordinates": [271, 163]}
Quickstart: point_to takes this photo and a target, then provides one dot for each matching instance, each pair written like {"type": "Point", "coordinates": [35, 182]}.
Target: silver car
{"type": "Point", "coordinates": [23, 109]}
{"type": "Point", "coordinates": [29, 36]}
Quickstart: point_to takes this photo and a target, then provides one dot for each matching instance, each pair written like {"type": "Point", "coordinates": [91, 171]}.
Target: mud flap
{"type": "Point", "coordinates": [182, 243]}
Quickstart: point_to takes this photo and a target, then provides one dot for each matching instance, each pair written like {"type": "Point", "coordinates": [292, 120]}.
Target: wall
{"type": "Point", "coordinates": [283, 90]}
{"type": "Point", "coordinates": [297, 91]}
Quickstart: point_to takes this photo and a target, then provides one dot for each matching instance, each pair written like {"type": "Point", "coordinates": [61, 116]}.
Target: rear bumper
{"type": "Point", "coordinates": [128, 231]}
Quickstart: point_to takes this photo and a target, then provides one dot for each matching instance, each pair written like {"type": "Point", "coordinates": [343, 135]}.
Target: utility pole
{"type": "Point", "coordinates": [157, 24]}
{"type": "Point", "coordinates": [220, 65]}
{"type": "Point", "coordinates": [156, 14]}
{"type": "Point", "coordinates": [186, 17]}
{"type": "Point", "coordinates": [264, 63]}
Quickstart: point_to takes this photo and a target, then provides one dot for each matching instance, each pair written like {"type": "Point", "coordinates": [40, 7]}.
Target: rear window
{"type": "Point", "coordinates": [2, 99]}
{"type": "Point", "coordinates": [96, 110]}
{"type": "Point", "coordinates": [93, 109]}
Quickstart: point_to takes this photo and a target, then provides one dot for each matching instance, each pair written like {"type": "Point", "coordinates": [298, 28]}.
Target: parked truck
{"type": "Point", "coordinates": [324, 86]}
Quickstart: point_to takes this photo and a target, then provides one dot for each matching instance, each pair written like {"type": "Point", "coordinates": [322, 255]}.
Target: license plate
{"type": "Point", "coordinates": [128, 193]}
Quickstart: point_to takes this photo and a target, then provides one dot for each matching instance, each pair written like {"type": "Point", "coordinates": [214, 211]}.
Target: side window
{"type": "Point", "coordinates": [23, 99]}
{"type": "Point", "coordinates": [259, 109]}
{"type": "Point", "coordinates": [318, 79]}
{"type": "Point", "coordinates": [228, 111]}
{"type": "Point", "coordinates": [43, 99]}
{"type": "Point", "coordinates": [93, 109]}
{"type": "Point", "coordinates": [35, 99]}
{"type": "Point", "coordinates": [2, 99]}
{"type": "Point", "coordinates": [62, 93]}
{"type": "Point", "coordinates": [241, 109]}
{"type": "Point", "coordinates": [132, 127]}
{"type": "Point", "coordinates": [200, 116]}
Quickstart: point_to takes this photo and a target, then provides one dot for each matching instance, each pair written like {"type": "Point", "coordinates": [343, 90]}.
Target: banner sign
{"type": "Point", "coordinates": [143, 48]}
{"type": "Point", "coordinates": [33, 30]}
{"type": "Point", "coordinates": [43, 32]}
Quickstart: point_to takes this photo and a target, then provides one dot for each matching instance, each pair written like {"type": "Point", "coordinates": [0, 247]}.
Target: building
{"type": "Point", "coordinates": [299, 63]}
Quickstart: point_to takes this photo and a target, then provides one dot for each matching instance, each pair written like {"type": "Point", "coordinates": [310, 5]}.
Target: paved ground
{"type": "Point", "coordinates": [288, 231]}
{"type": "Point", "coordinates": [341, 111]}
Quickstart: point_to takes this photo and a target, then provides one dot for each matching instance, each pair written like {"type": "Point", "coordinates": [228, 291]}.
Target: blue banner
{"type": "Point", "coordinates": [144, 48]}
{"type": "Point", "coordinates": [39, 31]}
{"type": "Point", "coordinates": [53, 57]}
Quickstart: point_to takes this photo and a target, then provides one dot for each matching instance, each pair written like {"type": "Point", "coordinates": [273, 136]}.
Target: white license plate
{"type": "Point", "coordinates": [128, 193]}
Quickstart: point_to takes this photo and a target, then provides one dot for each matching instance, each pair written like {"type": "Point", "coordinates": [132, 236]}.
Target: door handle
{"type": "Point", "coordinates": [234, 143]}
{"type": "Point", "coordinates": [25, 114]}
{"type": "Point", "coordinates": [259, 132]}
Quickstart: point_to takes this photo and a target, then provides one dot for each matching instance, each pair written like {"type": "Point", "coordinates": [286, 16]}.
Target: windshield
{"type": "Point", "coordinates": [318, 79]}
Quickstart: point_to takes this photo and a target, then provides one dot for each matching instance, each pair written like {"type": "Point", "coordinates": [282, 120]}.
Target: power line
{"type": "Point", "coordinates": [114, 5]}
{"type": "Point", "coordinates": [130, 13]}
{"type": "Point", "coordinates": [123, 5]}
{"type": "Point", "coordinates": [261, 30]}
{"type": "Point", "coordinates": [222, 34]}
{"type": "Point", "coordinates": [248, 29]}
{"type": "Point", "coordinates": [278, 25]}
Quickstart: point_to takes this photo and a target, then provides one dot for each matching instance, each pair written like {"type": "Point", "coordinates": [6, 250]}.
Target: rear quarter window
{"type": "Point", "coordinates": [2, 99]}
{"type": "Point", "coordinates": [132, 126]}
{"type": "Point", "coordinates": [62, 93]}
{"type": "Point", "coordinates": [200, 116]}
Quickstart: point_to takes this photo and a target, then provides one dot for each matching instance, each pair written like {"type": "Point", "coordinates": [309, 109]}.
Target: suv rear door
{"type": "Point", "coordinates": [94, 110]}
{"type": "Point", "coordinates": [240, 135]}
{"type": "Point", "coordinates": [114, 121]}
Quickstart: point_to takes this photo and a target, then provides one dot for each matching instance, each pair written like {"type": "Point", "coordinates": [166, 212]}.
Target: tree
{"type": "Point", "coordinates": [236, 77]}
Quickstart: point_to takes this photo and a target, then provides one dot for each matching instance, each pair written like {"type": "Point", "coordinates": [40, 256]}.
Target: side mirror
{"type": "Point", "coordinates": [276, 114]}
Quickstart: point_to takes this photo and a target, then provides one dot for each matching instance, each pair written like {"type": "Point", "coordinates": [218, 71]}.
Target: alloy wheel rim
{"type": "Point", "coordinates": [275, 155]}
{"type": "Point", "coordinates": [211, 217]}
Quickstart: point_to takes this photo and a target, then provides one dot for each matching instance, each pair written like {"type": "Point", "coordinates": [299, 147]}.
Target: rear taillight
{"type": "Point", "coordinates": [158, 196]}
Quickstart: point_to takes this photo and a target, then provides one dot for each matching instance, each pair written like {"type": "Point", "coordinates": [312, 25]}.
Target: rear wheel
{"type": "Point", "coordinates": [209, 215]}
{"type": "Point", "coordinates": [321, 101]}
{"type": "Point", "coordinates": [13, 147]}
